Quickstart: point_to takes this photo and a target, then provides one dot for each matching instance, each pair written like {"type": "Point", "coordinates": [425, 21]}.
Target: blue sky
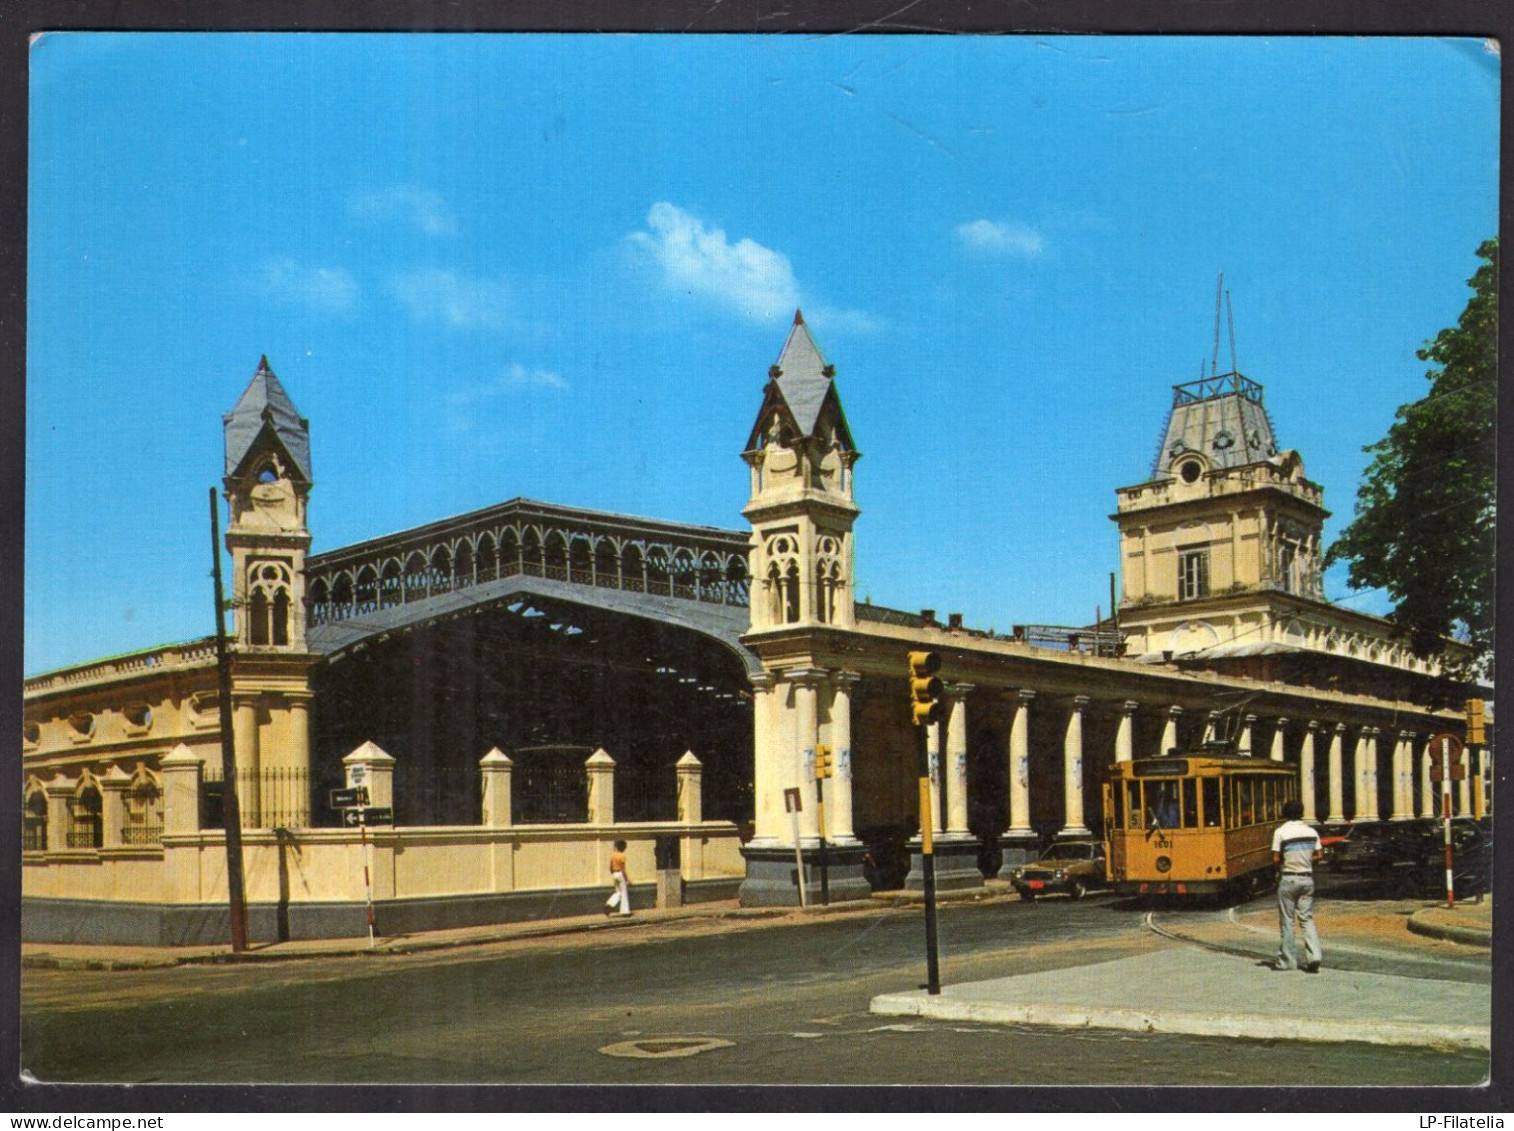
{"type": "Point", "coordinates": [559, 267]}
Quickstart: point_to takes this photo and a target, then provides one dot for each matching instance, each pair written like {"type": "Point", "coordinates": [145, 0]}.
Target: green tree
{"type": "Point", "coordinates": [1424, 523]}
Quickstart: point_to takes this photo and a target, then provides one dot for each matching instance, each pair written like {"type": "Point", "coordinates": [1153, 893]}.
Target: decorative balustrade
{"type": "Point", "coordinates": [196, 653]}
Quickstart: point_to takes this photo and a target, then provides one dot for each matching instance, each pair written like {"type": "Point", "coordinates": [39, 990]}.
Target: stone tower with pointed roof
{"type": "Point", "coordinates": [267, 483]}
{"type": "Point", "coordinates": [801, 455]}
{"type": "Point", "coordinates": [1220, 548]}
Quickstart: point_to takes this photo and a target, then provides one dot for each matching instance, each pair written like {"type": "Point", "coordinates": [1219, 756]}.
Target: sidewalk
{"type": "Point", "coordinates": [1209, 981]}
{"type": "Point", "coordinates": [69, 956]}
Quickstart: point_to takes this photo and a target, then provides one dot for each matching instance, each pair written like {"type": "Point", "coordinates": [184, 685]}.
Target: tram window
{"type": "Point", "coordinates": [1162, 807]}
{"type": "Point", "coordinates": [1211, 802]}
{"type": "Point", "coordinates": [1270, 790]}
{"type": "Point", "coordinates": [1248, 801]}
{"type": "Point", "coordinates": [1132, 805]}
{"type": "Point", "coordinates": [1190, 804]}
{"type": "Point", "coordinates": [1117, 814]}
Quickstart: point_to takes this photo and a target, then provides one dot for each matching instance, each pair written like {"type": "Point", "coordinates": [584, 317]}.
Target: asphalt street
{"type": "Point", "coordinates": [696, 1001]}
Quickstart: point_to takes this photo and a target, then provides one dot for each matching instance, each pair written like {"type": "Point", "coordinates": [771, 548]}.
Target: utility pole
{"type": "Point", "coordinates": [231, 812]}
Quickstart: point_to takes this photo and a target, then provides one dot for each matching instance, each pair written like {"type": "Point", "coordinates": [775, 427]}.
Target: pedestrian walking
{"type": "Point", "coordinates": [621, 896]}
{"type": "Point", "coordinates": [1295, 848]}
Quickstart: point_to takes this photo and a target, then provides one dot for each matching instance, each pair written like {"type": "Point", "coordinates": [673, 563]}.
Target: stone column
{"type": "Point", "coordinates": [601, 768]}
{"type": "Point", "coordinates": [1368, 807]}
{"type": "Point", "coordinates": [1337, 811]}
{"type": "Point", "coordinates": [299, 751]}
{"type": "Point", "coordinates": [1170, 731]}
{"type": "Point", "coordinates": [1248, 729]}
{"type": "Point", "coordinates": [370, 767]}
{"type": "Point", "coordinates": [113, 785]}
{"type": "Point", "coordinates": [807, 683]}
{"type": "Point", "coordinates": [1306, 772]}
{"type": "Point", "coordinates": [181, 772]}
{"type": "Point", "coordinates": [1124, 746]}
{"type": "Point", "coordinates": [59, 791]}
{"type": "Point", "coordinates": [1429, 796]}
{"type": "Point", "coordinates": [1212, 725]}
{"type": "Point", "coordinates": [1277, 754]}
{"type": "Point", "coordinates": [839, 815]}
{"type": "Point", "coordinates": [1019, 840]}
{"type": "Point", "coordinates": [244, 731]}
{"type": "Point", "coordinates": [956, 760]}
{"type": "Point", "coordinates": [769, 819]}
{"type": "Point", "coordinates": [1072, 771]}
{"type": "Point", "coordinates": [690, 772]}
{"type": "Point", "coordinates": [1403, 783]}
{"type": "Point", "coordinates": [495, 770]}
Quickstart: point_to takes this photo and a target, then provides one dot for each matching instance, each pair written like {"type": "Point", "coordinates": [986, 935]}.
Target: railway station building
{"type": "Point", "coordinates": [524, 684]}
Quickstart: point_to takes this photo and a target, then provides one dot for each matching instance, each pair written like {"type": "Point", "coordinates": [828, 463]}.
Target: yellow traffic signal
{"type": "Point", "coordinates": [925, 688]}
{"type": "Point", "coordinates": [1473, 709]}
{"type": "Point", "coordinates": [822, 762]}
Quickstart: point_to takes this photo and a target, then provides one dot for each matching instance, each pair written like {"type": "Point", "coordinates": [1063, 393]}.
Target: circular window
{"type": "Point", "coordinates": [31, 732]}
{"type": "Point", "coordinates": [1190, 471]}
{"type": "Point", "coordinates": [1223, 440]}
{"type": "Point", "coordinates": [139, 715]}
{"type": "Point", "coordinates": [83, 723]}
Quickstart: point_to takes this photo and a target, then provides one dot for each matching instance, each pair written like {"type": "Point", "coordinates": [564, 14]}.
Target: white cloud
{"type": "Point", "coordinates": [435, 294]}
{"type": "Point", "coordinates": [1002, 239]}
{"type": "Point", "coordinates": [513, 381]}
{"type": "Point", "coordinates": [331, 290]}
{"type": "Point", "coordinates": [754, 280]}
{"type": "Point", "coordinates": [825, 319]}
{"type": "Point", "coordinates": [421, 208]}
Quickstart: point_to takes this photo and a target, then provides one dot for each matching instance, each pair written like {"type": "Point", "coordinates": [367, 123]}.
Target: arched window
{"type": "Point", "coordinates": [439, 578]}
{"type": "Point", "coordinates": [531, 557]}
{"type": "Point", "coordinates": [791, 594]}
{"type": "Point", "coordinates": [391, 585]}
{"type": "Point", "coordinates": [555, 556]}
{"type": "Point", "coordinates": [487, 566]}
{"type": "Point", "coordinates": [86, 829]}
{"type": "Point", "coordinates": [34, 820]}
{"type": "Point", "coordinates": [606, 565]}
{"type": "Point", "coordinates": [736, 582]}
{"type": "Point", "coordinates": [416, 577]}
{"type": "Point", "coordinates": [462, 569]}
{"type": "Point", "coordinates": [341, 597]}
{"type": "Point", "coordinates": [365, 595]}
{"type": "Point", "coordinates": [658, 578]}
{"type": "Point", "coordinates": [144, 809]}
{"type": "Point", "coordinates": [320, 601]}
{"type": "Point", "coordinates": [580, 561]}
{"type": "Point", "coordinates": [268, 603]}
{"type": "Point", "coordinates": [633, 569]}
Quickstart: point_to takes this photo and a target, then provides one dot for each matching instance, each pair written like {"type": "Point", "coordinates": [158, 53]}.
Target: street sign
{"type": "Point", "coordinates": [352, 818]}
{"type": "Point", "coordinates": [357, 774]}
{"type": "Point", "coordinates": [1444, 746]}
{"type": "Point", "coordinates": [791, 802]}
{"type": "Point", "coordinates": [348, 798]}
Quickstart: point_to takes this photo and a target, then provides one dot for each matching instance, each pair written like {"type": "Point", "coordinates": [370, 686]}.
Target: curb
{"type": "Point", "coordinates": [1428, 924]}
{"type": "Point", "coordinates": [1251, 1027]}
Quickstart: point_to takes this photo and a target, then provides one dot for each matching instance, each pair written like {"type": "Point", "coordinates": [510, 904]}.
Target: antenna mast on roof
{"type": "Point", "coordinates": [1219, 290]}
{"type": "Point", "coordinates": [1230, 316]}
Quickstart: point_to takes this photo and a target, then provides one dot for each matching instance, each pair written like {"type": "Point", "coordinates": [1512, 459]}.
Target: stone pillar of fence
{"type": "Point", "coordinates": [59, 790]}
{"type": "Point", "coordinates": [494, 769]}
{"type": "Point", "coordinates": [601, 768]}
{"type": "Point", "coordinates": [113, 785]}
{"type": "Point", "coordinates": [690, 789]}
{"type": "Point", "coordinates": [370, 767]}
{"type": "Point", "coordinates": [181, 772]}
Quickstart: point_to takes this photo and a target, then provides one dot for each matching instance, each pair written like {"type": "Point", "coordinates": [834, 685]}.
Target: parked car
{"type": "Point", "coordinates": [1075, 867]}
{"type": "Point", "coordinates": [1370, 847]}
{"type": "Point", "coordinates": [1423, 871]}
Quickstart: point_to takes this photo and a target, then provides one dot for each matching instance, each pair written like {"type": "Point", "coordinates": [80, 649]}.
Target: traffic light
{"type": "Point", "coordinates": [822, 762]}
{"type": "Point", "coordinates": [1474, 722]}
{"type": "Point", "coordinates": [925, 688]}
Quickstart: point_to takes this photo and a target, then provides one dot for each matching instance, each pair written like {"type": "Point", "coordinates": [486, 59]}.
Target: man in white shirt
{"type": "Point", "coordinates": [1295, 848]}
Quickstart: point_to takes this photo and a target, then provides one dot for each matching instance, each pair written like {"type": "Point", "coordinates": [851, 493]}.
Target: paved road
{"type": "Point", "coordinates": [790, 999]}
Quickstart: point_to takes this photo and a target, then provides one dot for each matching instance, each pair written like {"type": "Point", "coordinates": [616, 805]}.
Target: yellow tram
{"type": "Point", "coordinates": [1195, 824]}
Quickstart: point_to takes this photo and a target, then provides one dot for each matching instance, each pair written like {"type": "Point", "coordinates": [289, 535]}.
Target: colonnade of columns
{"type": "Point", "coordinates": [798, 708]}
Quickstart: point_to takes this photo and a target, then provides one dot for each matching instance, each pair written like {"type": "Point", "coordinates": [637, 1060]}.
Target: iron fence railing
{"type": "Point", "coordinates": [268, 798]}
{"type": "Point", "coordinates": [142, 834]}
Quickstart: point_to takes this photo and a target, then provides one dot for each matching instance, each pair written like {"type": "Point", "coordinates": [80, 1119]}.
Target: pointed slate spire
{"type": "Point", "coordinates": [265, 405]}
{"type": "Point", "coordinates": [802, 382]}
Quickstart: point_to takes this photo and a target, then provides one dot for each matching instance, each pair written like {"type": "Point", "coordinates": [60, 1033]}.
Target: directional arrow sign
{"type": "Point", "coordinates": [352, 818]}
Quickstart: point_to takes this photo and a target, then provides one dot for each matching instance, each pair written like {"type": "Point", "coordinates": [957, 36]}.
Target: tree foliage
{"type": "Point", "coordinates": [1424, 523]}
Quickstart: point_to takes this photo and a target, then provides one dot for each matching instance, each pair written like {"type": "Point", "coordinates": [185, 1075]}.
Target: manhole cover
{"type": "Point", "coordinates": [662, 1047]}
